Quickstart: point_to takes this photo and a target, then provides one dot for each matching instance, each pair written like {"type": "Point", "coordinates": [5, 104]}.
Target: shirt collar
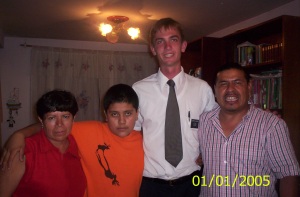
{"type": "Point", "coordinates": [45, 145]}
{"type": "Point", "coordinates": [247, 116]}
{"type": "Point", "coordinates": [216, 112]}
{"type": "Point", "coordinates": [214, 117]}
{"type": "Point", "coordinates": [178, 79]}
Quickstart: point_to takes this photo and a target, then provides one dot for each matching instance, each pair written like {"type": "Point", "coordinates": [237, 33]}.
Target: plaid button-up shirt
{"type": "Point", "coordinates": [250, 160]}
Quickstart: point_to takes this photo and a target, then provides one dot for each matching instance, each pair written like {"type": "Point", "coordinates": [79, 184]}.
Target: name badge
{"type": "Point", "coordinates": [194, 123]}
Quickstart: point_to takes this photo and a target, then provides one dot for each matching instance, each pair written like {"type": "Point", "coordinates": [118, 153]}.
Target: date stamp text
{"type": "Point", "coordinates": [227, 181]}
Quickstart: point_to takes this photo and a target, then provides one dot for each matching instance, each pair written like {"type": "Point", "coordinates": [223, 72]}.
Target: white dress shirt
{"type": "Point", "coordinates": [194, 97]}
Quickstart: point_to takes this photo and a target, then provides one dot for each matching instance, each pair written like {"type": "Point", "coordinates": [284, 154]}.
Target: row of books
{"type": "Point", "coordinates": [268, 52]}
{"type": "Point", "coordinates": [266, 90]}
{"type": "Point", "coordinates": [249, 53]}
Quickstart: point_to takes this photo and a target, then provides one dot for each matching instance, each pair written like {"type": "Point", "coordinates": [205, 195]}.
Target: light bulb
{"type": "Point", "coordinates": [105, 29]}
{"type": "Point", "coordinates": [133, 32]}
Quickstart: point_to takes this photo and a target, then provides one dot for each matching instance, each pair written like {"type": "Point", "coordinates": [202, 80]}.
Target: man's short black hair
{"type": "Point", "coordinates": [120, 93]}
{"type": "Point", "coordinates": [232, 65]}
{"type": "Point", "coordinates": [56, 100]}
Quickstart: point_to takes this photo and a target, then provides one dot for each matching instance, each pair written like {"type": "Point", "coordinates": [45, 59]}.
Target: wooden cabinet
{"type": "Point", "coordinates": [285, 31]}
{"type": "Point", "coordinates": [204, 53]}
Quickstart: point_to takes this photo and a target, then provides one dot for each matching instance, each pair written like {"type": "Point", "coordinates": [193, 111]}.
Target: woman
{"type": "Point", "coordinates": [52, 166]}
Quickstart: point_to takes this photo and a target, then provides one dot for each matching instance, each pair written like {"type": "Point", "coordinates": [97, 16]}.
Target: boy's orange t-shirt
{"type": "Point", "coordinates": [113, 165]}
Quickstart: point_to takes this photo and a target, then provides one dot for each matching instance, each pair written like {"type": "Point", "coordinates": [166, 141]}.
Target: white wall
{"type": "Point", "coordinates": [15, 72]}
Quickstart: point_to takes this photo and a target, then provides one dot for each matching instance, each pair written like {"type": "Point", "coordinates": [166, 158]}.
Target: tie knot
{"type": "Point", "coordinates": [171, 83]}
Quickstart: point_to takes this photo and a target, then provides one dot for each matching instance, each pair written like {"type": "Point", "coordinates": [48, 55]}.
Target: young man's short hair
{"type": "Point", "coordinates": [166, 23]}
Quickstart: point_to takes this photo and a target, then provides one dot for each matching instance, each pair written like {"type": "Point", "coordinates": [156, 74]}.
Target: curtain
{"type": "Point", "coordinates": [85, 73]}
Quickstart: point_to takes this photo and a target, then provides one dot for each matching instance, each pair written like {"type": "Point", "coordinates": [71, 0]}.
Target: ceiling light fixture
{"type": "Point", "coordinates": [113, 30]}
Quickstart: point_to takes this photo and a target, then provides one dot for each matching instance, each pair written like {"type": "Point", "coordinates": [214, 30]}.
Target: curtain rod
{"type": "Point", "coordinates": [27, 45]}
{"type": "Point", "coordinates": [31, 45]}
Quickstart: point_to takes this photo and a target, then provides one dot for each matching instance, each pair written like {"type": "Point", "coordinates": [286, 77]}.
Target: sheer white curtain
{"type": "Point", "coordinates": [86, 73]}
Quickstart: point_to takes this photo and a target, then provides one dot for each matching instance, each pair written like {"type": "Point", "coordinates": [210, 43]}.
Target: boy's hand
{"type": "Point", "coordinates": [15, 144]}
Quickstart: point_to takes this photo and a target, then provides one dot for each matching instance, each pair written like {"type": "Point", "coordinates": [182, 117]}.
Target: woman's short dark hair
{"type": "Point", "coordinates": [118, 94]}
{"type": "Point", "coordinates": [166, 23]}
{"type": "Point", "coordinates": [56, 100]}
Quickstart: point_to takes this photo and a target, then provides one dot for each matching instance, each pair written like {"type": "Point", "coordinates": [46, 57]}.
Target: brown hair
{"type": "Point", "coordinates": [166, 23]}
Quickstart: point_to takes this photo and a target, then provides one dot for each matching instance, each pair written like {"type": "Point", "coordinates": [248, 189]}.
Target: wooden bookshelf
{"type": "Point", "coordinates": [204, 53]}
{"type": "Point", "coordinates": [285, 30]}
{"type": "Point", "coordinates": [208, 53]}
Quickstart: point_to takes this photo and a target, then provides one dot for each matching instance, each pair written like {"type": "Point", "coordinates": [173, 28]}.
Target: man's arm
{"type": "Point", "coordinates": [289, 186]}
{"type": "Point", "coordinates": [9, 179]}
{"type": "Point", "coordinates": [15, 144]}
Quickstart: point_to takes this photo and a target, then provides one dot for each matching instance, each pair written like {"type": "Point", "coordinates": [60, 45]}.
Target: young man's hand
{"type": "Point", "coordinates": [199, 160]}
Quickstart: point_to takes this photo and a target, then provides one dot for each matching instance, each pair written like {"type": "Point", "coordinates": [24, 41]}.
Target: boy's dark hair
{"type": "Point", "coordinates": [120, 93]}
{"type": "Point", "coordinates": [228, 66]}
{"type": "Point", "coordinates": [56, 100]}
{"type": "Point", "coordinates": [166, 23]}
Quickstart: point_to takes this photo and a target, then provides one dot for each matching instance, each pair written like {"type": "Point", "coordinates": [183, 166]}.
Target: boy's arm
{"type": "Point", "coordinates": [9, 179]}
{"type": "Point", "coordinates": [15, 144]}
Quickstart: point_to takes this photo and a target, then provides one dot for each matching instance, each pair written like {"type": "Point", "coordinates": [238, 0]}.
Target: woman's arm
{"type": "Point", "coordinates": [10, 179]}
{"type": "Point", "coordinates": [15, 144]}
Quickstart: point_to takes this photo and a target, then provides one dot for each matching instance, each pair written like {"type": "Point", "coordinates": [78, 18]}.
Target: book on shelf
{"type": "Point", "coordinates": [269, 52]}
{"type": "Point", "coordinates": [266, 90]}
{"type": "Point", "coordinates": [246, 53]}
{"type": "Point", "coordinates": [249, 53]}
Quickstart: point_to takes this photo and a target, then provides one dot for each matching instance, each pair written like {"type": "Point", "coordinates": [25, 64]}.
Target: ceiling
{"type": "Point", "coordinates": [79, 19]}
